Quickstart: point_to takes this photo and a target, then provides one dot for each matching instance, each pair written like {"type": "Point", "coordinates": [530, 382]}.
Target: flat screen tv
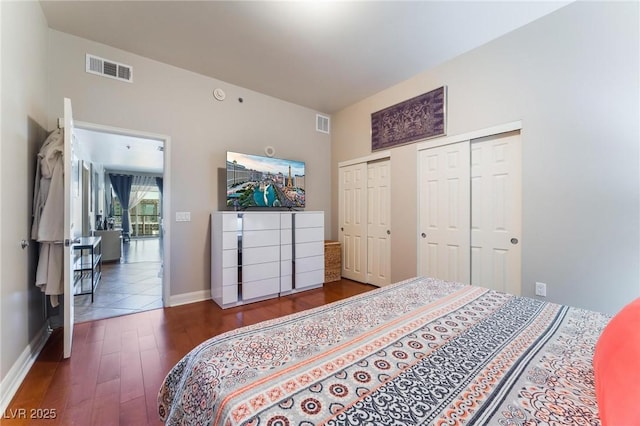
{"type": "Point", "coordinates": [257, 181]}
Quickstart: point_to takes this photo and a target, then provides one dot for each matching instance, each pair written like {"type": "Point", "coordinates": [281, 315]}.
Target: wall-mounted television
{"type": "Point", "coordinates": [257, 181]}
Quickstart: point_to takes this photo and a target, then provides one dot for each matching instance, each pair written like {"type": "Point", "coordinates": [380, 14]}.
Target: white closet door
{"type": "Point", "coordinates": [496, 212]}
{"type": "Point", "coordinates": [378, 223]}
{"type": "Point", "coordinates": [444, 213]}
{"type": "Point", "coordinates": [353, 221]}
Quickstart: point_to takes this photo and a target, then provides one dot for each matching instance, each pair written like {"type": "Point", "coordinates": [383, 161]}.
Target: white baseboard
{"type": "Point", "coordinates": [185, 298]}
{"type": "Point", "coordinates": [12, 381]}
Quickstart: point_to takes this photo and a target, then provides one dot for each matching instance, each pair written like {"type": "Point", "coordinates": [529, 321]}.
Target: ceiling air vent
{"type": "Point", "coordinates": [107, 68]}
{"type": "Point", "coordinates": [322, 123]}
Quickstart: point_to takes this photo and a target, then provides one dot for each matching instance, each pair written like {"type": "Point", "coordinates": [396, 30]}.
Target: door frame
{"type": "Point", "coordinates": [166, 193]}
{"type": "Point", "coordinates": [476, 134]}
{"type": "Point", "coordinates": [381, 155]}
{"type": "Point", "coordinates": [447, 140]}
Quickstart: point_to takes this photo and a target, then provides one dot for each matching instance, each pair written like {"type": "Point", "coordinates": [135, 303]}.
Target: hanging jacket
{"type": "Point", "coordinates": [48, 197]}
{"type": "Point", "coordinates": [48, 215]}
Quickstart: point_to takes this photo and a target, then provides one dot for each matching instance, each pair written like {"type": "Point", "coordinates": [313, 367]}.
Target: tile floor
{"type": "Point", "coordinates": [133, 285]}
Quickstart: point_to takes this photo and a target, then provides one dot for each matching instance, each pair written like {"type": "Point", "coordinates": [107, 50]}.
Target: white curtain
{"type": "Point", "coordinates": [140, 186]}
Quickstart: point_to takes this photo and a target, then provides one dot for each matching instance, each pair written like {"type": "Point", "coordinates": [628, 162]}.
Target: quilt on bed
{"type": "Point", "coordinates": [422, 351]}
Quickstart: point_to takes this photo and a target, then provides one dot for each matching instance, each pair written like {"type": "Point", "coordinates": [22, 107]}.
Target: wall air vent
{"type": "Point", "coordinates": [107, 68]}
{"type": "Point", "coordinates": [322, 123]}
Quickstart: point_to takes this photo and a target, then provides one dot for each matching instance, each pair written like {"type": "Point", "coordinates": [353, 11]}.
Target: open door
{"type": "Point", "coordinates": [70, 230]}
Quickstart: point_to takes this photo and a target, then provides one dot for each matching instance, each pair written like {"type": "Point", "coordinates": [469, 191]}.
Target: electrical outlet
{"type": "Point", "coordinates": [541, 289]}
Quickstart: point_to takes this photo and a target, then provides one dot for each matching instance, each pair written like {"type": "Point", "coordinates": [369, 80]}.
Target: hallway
{"type": "Point", "coordinates": [133, 285]}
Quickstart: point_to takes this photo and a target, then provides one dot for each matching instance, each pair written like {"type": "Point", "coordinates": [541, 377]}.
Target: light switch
{"type": "Point", "coordinates": [183, 216]}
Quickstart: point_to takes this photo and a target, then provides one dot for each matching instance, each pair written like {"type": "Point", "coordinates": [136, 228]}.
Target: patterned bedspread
{"type": "Point", "coordinates": [422, 351]}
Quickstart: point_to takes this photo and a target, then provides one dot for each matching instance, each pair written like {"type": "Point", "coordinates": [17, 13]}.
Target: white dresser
{"type": "Point", "coordinates": [259, 255]}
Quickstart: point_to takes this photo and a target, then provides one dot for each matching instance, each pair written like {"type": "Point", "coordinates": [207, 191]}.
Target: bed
{"type": "Point", "coordinates": [422, 351]}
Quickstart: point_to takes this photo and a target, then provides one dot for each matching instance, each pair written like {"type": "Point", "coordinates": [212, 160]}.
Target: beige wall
{"type": "Point", "coordinates": [24, 118]}
{"type": "Point", "coordinates": [572, 78]}
{"type": "Point", "coordinates": [171, 101]}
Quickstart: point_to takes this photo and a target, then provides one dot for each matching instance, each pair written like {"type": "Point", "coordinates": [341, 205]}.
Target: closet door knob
{"type": "Point", "coordinates": [423, 235]}
{"type": "Point", "coordinates": [341, 228]}
{"type": "Point", "coordinates": [388, 232]}
{"type": "Point", "coordinates": [514, 241]}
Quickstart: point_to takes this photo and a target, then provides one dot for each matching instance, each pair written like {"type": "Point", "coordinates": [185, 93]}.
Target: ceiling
{"type": "Point", "coordinates": [324, 55]}
{"type": "Point", "coordinates": [121, 153]}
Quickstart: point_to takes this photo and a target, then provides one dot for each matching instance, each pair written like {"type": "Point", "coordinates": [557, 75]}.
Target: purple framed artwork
{"type": "Point", "coordinates": [422, 117]}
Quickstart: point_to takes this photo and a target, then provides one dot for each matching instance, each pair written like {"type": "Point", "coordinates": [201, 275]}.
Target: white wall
{"type": "Point", "coordinates": [572, 78]}
{"type": "Point", "coordinates": [24, 118]}
{"type": "Point", "coordinates": [171, 101]}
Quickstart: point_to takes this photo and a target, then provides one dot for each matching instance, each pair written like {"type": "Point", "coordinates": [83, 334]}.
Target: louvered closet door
{"type": "Point", "coordinates": [353, 221]}
{"type": "Point", "coordinates": [444, 213]}
{"type": "Point", "coordinates": [496, 212]}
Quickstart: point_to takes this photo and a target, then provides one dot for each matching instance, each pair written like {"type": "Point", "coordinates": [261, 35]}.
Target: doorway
{"type": "Point", "coordinates": [135, 272]}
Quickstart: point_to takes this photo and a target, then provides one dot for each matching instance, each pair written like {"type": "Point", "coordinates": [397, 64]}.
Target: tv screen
{"type": "Point", "coordinates": [257, 181]}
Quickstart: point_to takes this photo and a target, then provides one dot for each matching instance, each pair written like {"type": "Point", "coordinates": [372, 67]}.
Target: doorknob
{"type": "Point", "coordinates": [388, 232]}
{"type": "Point", "coordinates": [423, 235]}
{"type": "Point", "coordinates": [68, 242]}
{"type": "Point", "coordinates": [341, 228]}
{"type": "Point", "coordinates": [514, 241]}
{"type": "Point", "coordinates": [24, 244]}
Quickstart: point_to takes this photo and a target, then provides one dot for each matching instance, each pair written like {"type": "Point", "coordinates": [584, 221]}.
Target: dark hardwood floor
{"type": "Point", "coordinates": [117, 364]}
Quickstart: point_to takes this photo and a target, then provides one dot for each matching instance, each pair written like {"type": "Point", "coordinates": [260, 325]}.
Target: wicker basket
{"type": "Point", "coordinates": [332, 261]}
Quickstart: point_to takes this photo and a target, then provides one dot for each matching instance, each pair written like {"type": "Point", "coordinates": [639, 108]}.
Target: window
{"type": "Point", "coordinates": [144, 217]}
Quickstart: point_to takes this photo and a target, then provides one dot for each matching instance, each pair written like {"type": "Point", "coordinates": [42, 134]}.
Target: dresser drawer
{"type": "Point", "coordinates": [230, 222]}
{"type": "Point", "coordinates": [305, 235]}
{"type": "Point", "coordinates": [309, 249]}
{"type": "Point", "coordinates": [286, 283]}
{"type": "Point", "coordinates": [260, 288]}
{"type": "Point", "coordinates": [229, 294]}
{"type": "Point", "coordinates": [285, 221]}
{"type": "Point", "coordinates": [229, 258]}
{"type": "Point", "coordinates": [306, 264]}
{"type": "Point", "coordinates": [286, 236]}
{"type": "Point", "coordinates": [229, 240]}
{"type": "Point", "coordinates": [286, 252]}
{"type": "Point", "coordinates": [309, 279]}
{"type": "Point", "coordinates": [230, 276]}
{"type": "Point", "coordinates": [307, 220]}
{"type": "Point", "coordinates": [260, 221]}
{"type": "Point", "coordinates": [254, 255]}
{"type": "Point", "coordinates": [260, 271]}
{"type": "Point", "coordinates": [261, 238]}
{"type": "Point", "coordinates": [286, 267]}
